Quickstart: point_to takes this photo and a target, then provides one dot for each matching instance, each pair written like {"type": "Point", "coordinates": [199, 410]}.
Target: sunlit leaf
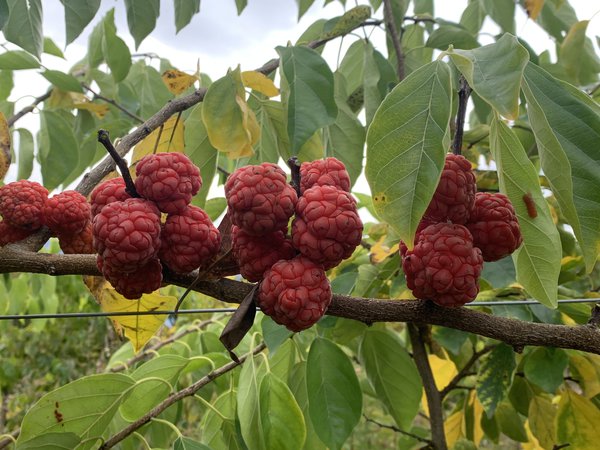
{"type": "Point", "coordinates": [454, 427]}
{"type": "Point", "coordinates": [406, 146]}
{"type": "Point", "coordinates": [577, 421]}
{"type": "Point", "coordinates": [168, 138]}
{"type": "Point", "coordinates": [260, 83]}
{"type": "Point", "coordinates": [138, 329]}
{"type": "Point", "coordinates": [219, 425]}
{"type": "Point", "coordinates": [5, 152]}
{"type": "Point", "coordinates": [178, 81]}
{"type": "Point", "coordinates": [533, 8]}
{"type": "Point", "coordinates": [51, 441]}
{"type": "Point", "coordinates": [587, 370]}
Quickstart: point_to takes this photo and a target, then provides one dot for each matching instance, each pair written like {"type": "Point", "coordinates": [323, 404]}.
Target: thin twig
{"type": "Point", "coordinates": [175, 397]}
{"type": "Point", "coordinates": [113, 102]}
{"type": "Point", "coordinates": [463, 97]}
{"type": "Point", "coordinates": [104, 139]}
{"type": "Point", "coordinates": [223, 171]}
{"type": "Point", "coordinates": [434, 399]}
{"type": "Point", "coordinates": [465, 371]}
{"type": "Point", "coordinates": [5, 442]}
{"type": "Point", "coordinates": [397, 430]}
{"type": "Point", "coordinates": [11, 120]}
{"type": "Point", "coordinates": [390, 26]}
{"type": "Point", "coordinates": [294, 166]}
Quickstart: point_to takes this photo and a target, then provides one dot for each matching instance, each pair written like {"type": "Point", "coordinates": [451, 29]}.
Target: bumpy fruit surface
{"type": "Point", "coordinates": [455, 195]}
{"type": "Point", "coordinates": [10, 234]}
{"type": "Point", "coordinates": [327, 227]}
{"type": "Point", "coordinates": [21, 204]}
{"type": "Point", "coordinates": [168, 179]}
{"type": "Point", "coordinates": [324, 172]}
{"type": "Point", "coordinates": [144, 280]}
{"type": "Point", "coordinates": [494, 226]}
{"type": "Point", "coordinates": [78, 243]}
{"type": "Point", "coordinates": [295, 293]}
{"type": "Point", "coordinates": [259, 199]}
{"type": "Point", "coordinates": [108, 191]}
{"type": "Point", "coordinates": [189, 240]}
{"type": "Point", "coordinates": [67, 212]}
{"type": "Point", "coordinates": [256, 254]}
{"type": "Point", "coordinates": [444, 265]}
{"type": "Point", "coordinates": [127, 234]}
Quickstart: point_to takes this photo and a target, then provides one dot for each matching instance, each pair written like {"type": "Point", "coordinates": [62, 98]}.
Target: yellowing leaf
{"type": "Point", "coordinates": [5, 155]}
{"type": "Point", "coordinates": [168, 138]}
{"type": "Point", "coordinates": [259, 82]}
{"type": "Point", "coordinates": [380, 251]}
{"type": "Point", "coordinates": [138, 329]}
{"type": "Point", "coordinates": [533, 8]}
{"type": "Point", "coordinates": [577, 422]}
{"type": "Point", "coordinates": [588, 371]}
{"type": "Point", "coordinates": [98, 109]}
{"type": "Point", "coordinates": [60, 99]}
{"type": "Point", "coordinates": [443, 371]}
{"type": "Point", "coordinates": [533, 443]}
{"type": "Point", "coordinates": [178, 81]}
{"type": "Point", "coordinates": [454, 427]}
{"type": "Point", "coordinates": [478, 432]}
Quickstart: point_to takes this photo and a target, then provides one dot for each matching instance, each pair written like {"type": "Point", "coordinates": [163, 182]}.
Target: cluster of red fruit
{"type": "Point", "coordinates": [326, 229]}
{"type": "Point", "coordinates": [460, 229]}
{"type": "Point", "coordinates": [25, 208]}
{"type": "Point", "coordinates": [131, 241]}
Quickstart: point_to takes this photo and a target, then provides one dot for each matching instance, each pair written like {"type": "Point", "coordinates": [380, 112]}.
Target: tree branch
{"type": "Point", "coordinates": [434, 399]}
{"type": "Point", "coordinates": [175, 397]}
{"type": "Point", "coordinates": [112, 102]}
{"type": "Point", "coordinates": [397, 430]}
{"type": "Point", "coordinates": [463, 97]}
{"type": "Point", "coordinates": [465, 370]}
{"type": "Point", "coordinates": [390, 26]}
{"type": "Point", "coordinates": [513, 332]}
{"type": "Point", "coordinates": [11, 120]}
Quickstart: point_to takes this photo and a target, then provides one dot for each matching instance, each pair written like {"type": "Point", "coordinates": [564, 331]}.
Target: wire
{"type": "Point", "coordinates": [231, 310]}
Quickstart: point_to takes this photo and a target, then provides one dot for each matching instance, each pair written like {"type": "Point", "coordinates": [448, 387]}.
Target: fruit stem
{"type": "Point", "coordinates": [294, 166]}
{"type": "Point", "coordinates": [463, 97]}
{"type": "Point", "coordinates": [104, 139]}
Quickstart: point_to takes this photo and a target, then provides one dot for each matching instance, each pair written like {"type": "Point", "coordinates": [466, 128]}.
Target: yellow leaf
{"type": "Point", "coordinates": [60, 99]}
{"type": "Point", "coordinates": [259, 82]}
{"type": "Point", "coordinates": [380, 251]}
{"type": "Point", "coordinates": [588, 371]}
{"type": "Point", "coordinates": [478, 432]}
{"type": "Point", "coordinates": [533, 443]}
{"type": "Point", "coordinates": [178, 81]}
{"type": "Point", "coordinates": [541, 417]}
{"type": "Point", "coordinates": [138, 329]}
{"type": "Point", "coordinates": [454, 428]}
{"type": "Point", "coordinates": [5, 155]}
{"type": "Point", "coordinates": [168, 138]}
{"type": "Point", "coordinates": [577, 422]}
{"type": "Point", "coordinates": [98, 109]}
{"type": "Point", "coordinates": [533, 8]}
{"type": "Point", "coordinates": [443, 371]}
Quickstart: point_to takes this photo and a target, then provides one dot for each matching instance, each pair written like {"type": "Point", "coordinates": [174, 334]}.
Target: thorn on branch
{"type": "Point", "coordinates": [104, 139]}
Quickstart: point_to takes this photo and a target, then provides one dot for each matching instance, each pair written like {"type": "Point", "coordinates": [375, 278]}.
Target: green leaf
{"type": "Point", "coordinates": [577, 421]}
{"type": "Point", "coordinates": [18, 60]}
{"type": "Point", "coordinates": [51, 48]}
{"type": "Point", "coordinates": [184, 11]}
{"type": "Point", "coordinates": [248, 404]}
{"type": "Point", "coordinates": [334, 394]}
{"type": "Point", "coordinates": [280, 415]}
{"type": "Point", "coordinates": [349, 21]}
{"type": "Point", "coordinates": [146, 394]}
{"type": "Point", "coordinates": [495, 376]}
{"type": "Point", "coordinates": [545, 367]}
{"type": "Point", "coordinates": [6, 84]}
{"type": "Point", "coordinates": [371, 77]}
{"type": "Point", "coordinates": [566, 124]}
{"type": "Point", "coordinates": [24, 25]}
{"type": "Point", "coordinates": [51, 441]}
{"type": "Point", "coordinates": [25, 158]}
{"type": "Point", "coordinates": [241, 5]}
{"type": "Point", "coordinates": [537, 261]}
{"type": "Point", "coordinates": [395, 379]}
{"type": "Point", "coordinates": [510, 423]}
{"type": "Point", "coordinates": [310, 95]}
{"type": "Point", "coordinates": [115, 51]}
{"type": "Point", "coordinates": [406, 147]}
{"type": "Point", "coordinates": [541, 416]}
{"type": "Point", "coordinates": [184, 443]}
{"type": "Point", "coordinates": [219, 429]}
{"type": "Point", "coordinates": [447, 35]}
{"type": "Point", "coordinates": [557, 17]}
{"type": "Point", "coordinates": [303, 6]}
{"type": "Point", "coordinates": [352, 66]}
{"type": "Point", "coordinates": [62, 80]}
{"type": "Point", "coordinates": [273, 334]}
{"type": "Point", "coordinates": [200, 151]}
{"type": "Point", "coordinates": [141, 18]}
{"type": "Point", "coordinates": [214, 207]}
{"type": "Point", "coordinates": [83, 407]}
{"type": "Point", "coordinates": [502, 12]}
{"type": "Point", "coordinates": [59, 150]}
{"type": "Point", "coordinates": [3, 13]}
{"type": "Point", "coordinates": [473, 16]}
{"type": "Point", "coordinates": [494, 72]}
{"type": "Point", "coordinates": [78, 14]}
{"type": "Point", "coordinates": [149, 88]}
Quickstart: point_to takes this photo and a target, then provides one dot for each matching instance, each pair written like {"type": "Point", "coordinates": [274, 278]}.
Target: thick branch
{"type": "Point", "coordinates": [390, 26]}
{"type": "Point", "coordinates": [175, 397]}
{"type": "Point", "coordinates": [511, 331]}
{"type": "Point", "coordinates": [11, 120]}
{"type": "Point", "coordinates": [434, 399]}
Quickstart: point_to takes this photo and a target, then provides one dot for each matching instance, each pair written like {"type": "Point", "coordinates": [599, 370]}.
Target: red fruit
{"type": "Point", "coordinates": [108, 191]}
{"type": "Point", "coordinates": [67, 213]}
{"type": "Point", "coordinates": [444, 265]}
{"type": "Point", "coordinates": [127, 234]}
{"type": "Point", "coordinates": [10, 234]}
{"type": "Point", "coordinates": [78, 244]}
{"type": "Point", "coordinates": [295, 293]}
{"type": "Point", "coordinates": [327, 227]}
{"type": "Point", "coordinates": [259, 199]}
{"type": "Point", "coordinates": [256, 254]}
{"type": "Point", "coordinates": [168, 179]}
{"type": "Point", "coordinates": [454, 197]}
{"type": "Point", "coordinates": [494, 226]}
{"type": "Point", "coordinates": [324, 172]}
{"type": "Point", "coordinates": [189, 240]}
{"type": "Point", "coordinates": [21, 204]}
{"type": "Point", "coordinates": [144, 280]}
